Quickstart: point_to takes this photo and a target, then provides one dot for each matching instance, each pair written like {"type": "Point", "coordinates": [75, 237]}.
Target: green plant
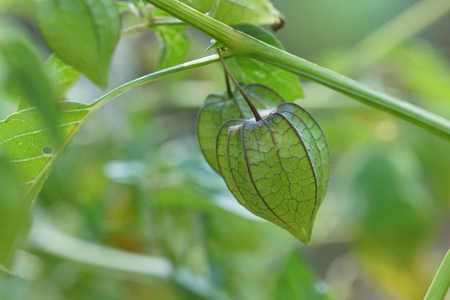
{"type": "Point", "coordinates": [83, 35]}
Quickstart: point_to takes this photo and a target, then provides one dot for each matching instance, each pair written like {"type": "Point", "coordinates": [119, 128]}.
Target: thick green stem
{"type": "Point", "coordinates": [441, 282]}
{"type": "Point", "coordinates": [242, 44]}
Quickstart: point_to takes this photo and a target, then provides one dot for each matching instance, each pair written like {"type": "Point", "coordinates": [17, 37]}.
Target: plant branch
{"type": "Point", "coordinates": [50, 240]}
{"type": "Point", "coordinates": [242, 44]}
{"type": "Point", "coordinates": [441, 282]}
{"type": "Point", "coordinates": [411, 21]}
{"type": "Point", "coordinates": [249, 103]}
{"type": "Point", "coordinates": [145, 26]}
{"type": "Point", "coordinates": [227, 82]}
{"type": "Point", "coordinates": [389, 36]}
{"type": "Point", "coordinates": [150, 77]}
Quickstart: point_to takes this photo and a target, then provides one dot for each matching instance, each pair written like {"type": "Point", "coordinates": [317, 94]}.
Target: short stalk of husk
{"type": "Point", "coordinates": [228, 72]}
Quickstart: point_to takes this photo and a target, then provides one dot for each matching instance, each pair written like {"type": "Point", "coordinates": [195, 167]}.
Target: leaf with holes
{"type": "Point", "coordinates": [25, 141]}
{"type": "Point", "coordinates": [278, 167]}
{"type": "Point", "coordinates": [83, 33]}
{"type": "Point", "coordinates": [222, 107]}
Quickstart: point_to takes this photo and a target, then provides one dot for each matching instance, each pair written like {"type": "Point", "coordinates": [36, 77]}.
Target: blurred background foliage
{"type": "Point", "coordinates": [132, 210]}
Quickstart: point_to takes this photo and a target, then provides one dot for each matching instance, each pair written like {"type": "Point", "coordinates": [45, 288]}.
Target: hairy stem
{"type": "Point", "coordinates": [242, 44]}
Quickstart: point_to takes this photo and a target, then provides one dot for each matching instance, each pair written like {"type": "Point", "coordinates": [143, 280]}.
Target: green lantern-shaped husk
{"type": "Point", "coordinates": [277, 167]}
{"type": "Point", "coordinates": [223, 107]}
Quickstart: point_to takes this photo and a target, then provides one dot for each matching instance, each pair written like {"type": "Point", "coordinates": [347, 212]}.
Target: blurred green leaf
{"type": "Point", "coordinates": [233, 12]}
{"type": "Point", "coordinates": [422, 69]}
{"type": "Point", "coordinates": [201, 5]}
{"type": "Point", "coordinates": [83, 33]}
{"type": "Point", "coordinates": [256, 12]}
{"type": "Point", "coordinates": [395, 222]}
{"type": "Point", "coordinates": [26, 79]}
{"type": "Point", "coordinates": [183, 199]}
{"type": "Point", "coordinates": [436, 166]}
{"type": "Point", "coordinates": [296, 281]}
{"type": "Point", "coordinates": [64, 76]}
{"type": "Point", "coordinates": [25, 140]}
{"type": "Point", "coordinates": [130, 6]}
{"type": "Point", "coordinates": [13, 210]}
{"type": "Point", "coordinates": [174, 44]}
{"type": "Point", "coordinates": [248, 71]}
{"type": "Point", "coordinates": [14, 5]}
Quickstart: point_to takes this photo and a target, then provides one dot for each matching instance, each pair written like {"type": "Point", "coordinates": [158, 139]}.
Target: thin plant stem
{"type": "Point", "coordinates": [227, 82]}
{"type": "Point", "coordinates": [150, 77]}
{"type": "Point", "coordinates": [138, 267]}
{"type": "Point", "coordinates": [249, 103]}
{"type": "Point", "coordinates": [392, 34]}
{"type": "Point", "coordinates": [441, 282]}
{"type": "Point", "coordinates": [146, 26]}
{"type": "Point", "coordinates": [70, 248]}
{"type": "Point", "coordinates": [135, 29]}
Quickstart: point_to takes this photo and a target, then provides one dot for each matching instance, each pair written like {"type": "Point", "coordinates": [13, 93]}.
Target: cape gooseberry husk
{"type": "Point", "coordinates": [220, 108]}
{"type": "Point", "coordinates": [278, 167]}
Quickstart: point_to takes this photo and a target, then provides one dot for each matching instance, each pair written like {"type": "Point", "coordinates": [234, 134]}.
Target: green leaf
{"type": "Point", "coordinates": [220, 108]}
{"type": "Point", "coordinates": [248, 71]}
{"type": "Point", "coordinates": [278, 167]}
{"type": "Point", "coordinates": [422, 69]}
{"type": "Point", "coordinates": [130, 6]}
{"type": "Point", "coordinates": [174, 43]}
{"type": "Point", "coordinates": [13, 210]}
{"type": "Point", "coordinates": [83, 33]}
{"type": "Point", "coordinates": [234, 12]}
{"type": "Point", "coordinates": [296, 281]}
{"type": "Point", "coordinates": [26, 79]}
{"type": "Point", "coordinates": [396, 219]}
{"type": "Point", "coordinates": [14, 5]}
{"type": "Point", "coordinates": [256, 12]}
{"type": "Point", "coordinates": [214, 44]}
{"type": "Point", "coordinates": [201, 5]}
{"type": "Point", "coordinates": [64, 76]}
{"type": "Point", "coordinates": [25, 140]}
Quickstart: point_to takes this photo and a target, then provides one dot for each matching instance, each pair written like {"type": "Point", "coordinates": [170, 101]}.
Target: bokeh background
{"type": "Point", "coordinates": [133, 211]}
